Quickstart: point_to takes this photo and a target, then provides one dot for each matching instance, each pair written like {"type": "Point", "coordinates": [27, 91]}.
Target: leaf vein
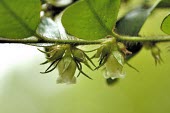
{"type": "Point", "coordinates": [98, 18]}
{"type": "Point", "coordinates": [13, 14]}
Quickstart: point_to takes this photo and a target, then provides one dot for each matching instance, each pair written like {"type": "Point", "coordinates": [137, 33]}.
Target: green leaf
{"type": "Point", "coordinates": [166, 25]}
{"type": "Point", "coordinates": [133, 21]}
{"type": "Point", "coordinates": [167, 1]}
{"type": "Point", "coordinates": [164, 4]}
{"type": "Point", "coordinates": [19, 18]}
{"type": "Point", "coordinates": [119, 57]}
{"type": "Point", "coordinates": [91, 19]}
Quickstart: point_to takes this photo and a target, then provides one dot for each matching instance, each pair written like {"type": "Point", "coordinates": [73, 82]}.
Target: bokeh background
{"type": "Point", "coordinates": [24, 90]}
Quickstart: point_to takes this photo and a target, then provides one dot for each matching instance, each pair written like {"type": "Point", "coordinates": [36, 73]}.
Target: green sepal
{"type": "Point", "coordinates": [119, 57]}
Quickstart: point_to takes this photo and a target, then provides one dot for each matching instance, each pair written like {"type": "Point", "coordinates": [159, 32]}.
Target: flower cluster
{"type": "Point", "coordinates": [66, 59]}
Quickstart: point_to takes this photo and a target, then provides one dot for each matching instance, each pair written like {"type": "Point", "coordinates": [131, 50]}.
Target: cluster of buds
{"type": "Point", "coordinates": [66, 59]}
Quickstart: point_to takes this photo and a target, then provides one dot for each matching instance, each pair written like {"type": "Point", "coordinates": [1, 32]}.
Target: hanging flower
{"type": "Point", "coordinates": [66, 68]}
{"type": "Point", "coordinates": [110, 59]}
{"type": "Point", "coordinates": [114, 65]}
{"type": "Point", "coordinates": [66, 58]}
{"type": "Point", "coordinates": [104, 51]}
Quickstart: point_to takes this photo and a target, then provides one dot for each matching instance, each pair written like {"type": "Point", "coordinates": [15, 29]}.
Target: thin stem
{"type": "Point", "coordinates": [88, 42]}
{"type": "Point", "coordinates": [48, 40]}
{"type": "Point", "coordinates": [74, 42]}
{"type": "Point", "coordinates": [26, 40]}
{"type": "Point", "coordinates": [142, 39]}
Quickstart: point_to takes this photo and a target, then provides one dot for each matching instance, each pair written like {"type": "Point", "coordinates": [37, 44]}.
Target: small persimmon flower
{"type": "Point", "coordinates": [66, 68]}
{"type": "Point", "coordinates": [111, 59]}
{"type": "Point", "coordinates": [66, 58]}
{"type": "Point", "coordinates": [114, 65]}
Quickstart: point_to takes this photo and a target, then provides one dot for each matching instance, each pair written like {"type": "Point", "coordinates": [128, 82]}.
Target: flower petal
{"type": "Point", "coordinates": [66, 68]}
{"type": "Point", "coordinates": [114, 65]}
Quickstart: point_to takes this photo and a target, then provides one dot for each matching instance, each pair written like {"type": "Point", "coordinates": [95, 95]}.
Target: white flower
{"type": "Point", "coordinates": [114, 65]}
{"type": "Point", "coordinates": [66, 58]}
{"type": "Point", "coordinates": [66, 68]}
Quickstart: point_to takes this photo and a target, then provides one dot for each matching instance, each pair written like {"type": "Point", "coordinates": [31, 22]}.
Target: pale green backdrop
{"type": "Point", "coordinates": [24, 90]}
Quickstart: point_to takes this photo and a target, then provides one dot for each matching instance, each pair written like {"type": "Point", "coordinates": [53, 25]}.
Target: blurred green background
{"type": "Point", "coordinates": [24, 90]}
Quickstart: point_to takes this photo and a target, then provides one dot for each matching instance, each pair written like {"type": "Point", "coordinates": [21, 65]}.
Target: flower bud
{"type": "Point", "coordinates": [155, 51]}
{"type": "Point", "coordinates": [156, 54]}
{"type": "Point", "coordinates": [80, 56]}
{"type": "Point", "coordinates": [56, 53]}
{"type": "Point", "coordinates": [105, 48]}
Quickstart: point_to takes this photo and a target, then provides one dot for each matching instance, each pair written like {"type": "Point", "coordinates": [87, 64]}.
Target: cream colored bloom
{"type": "Point", "coordinates": [66, 69]}
{"type": "Point", "coordinates": [114, 65]}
